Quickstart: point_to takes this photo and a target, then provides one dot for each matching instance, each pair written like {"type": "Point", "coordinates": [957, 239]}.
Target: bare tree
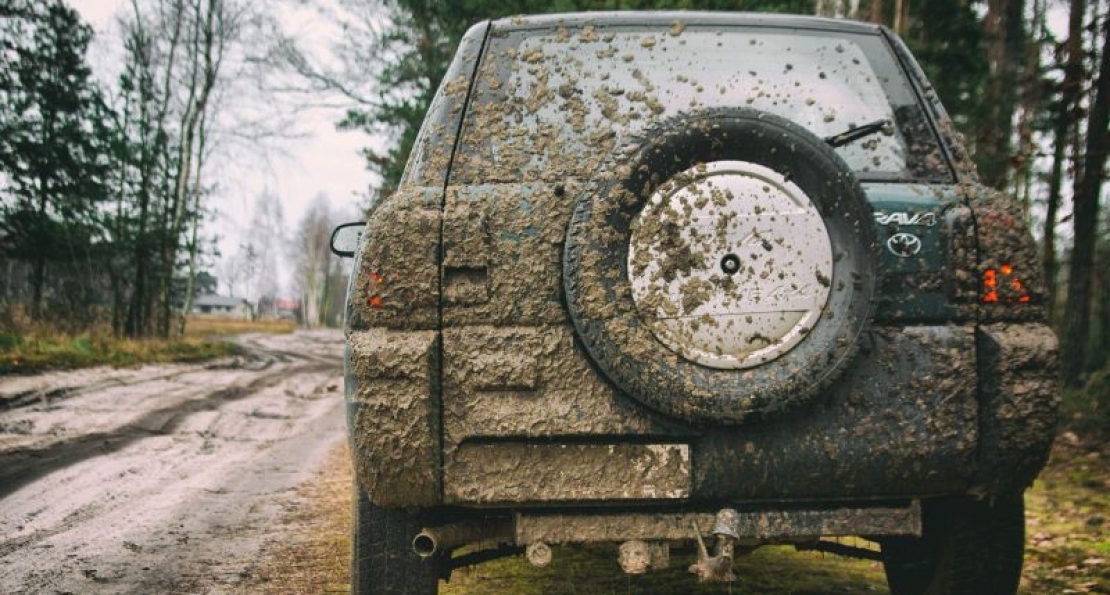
{"type": "Point", "coordinates": [266, 234]}
{"type": "Point", "coordinates": [1004, 27]}
{"type": "Point", "coordinates": [195, 220]}
{"type": "Point", "coordinates": [1064, 117]}
{"type": "Point", "coordinates": [178, 54]}
{"type": "Point", "coordinates": [312, 258]}
{"type": "Point", "coordinates": [213, 24]}
{"type": "Point", "coordinates": [1088, 188]}
{"type": "Point", "coordinates": [1031, 107]}
{"type": "Point", "coordinates": [235, 271]}
{"type": "Point", "coordinates": [152, 51]}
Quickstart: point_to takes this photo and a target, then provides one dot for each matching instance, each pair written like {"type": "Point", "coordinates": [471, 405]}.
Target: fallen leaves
{"type": "Point", "coordinates": [1068, 549]}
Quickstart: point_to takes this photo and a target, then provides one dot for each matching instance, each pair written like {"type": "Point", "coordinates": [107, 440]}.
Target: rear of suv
{"type": "Point", "coordinates": [667, 279]}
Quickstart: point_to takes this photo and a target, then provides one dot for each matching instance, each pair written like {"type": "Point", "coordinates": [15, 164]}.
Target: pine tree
{"type": "Point", "coordinates": [52, 149]}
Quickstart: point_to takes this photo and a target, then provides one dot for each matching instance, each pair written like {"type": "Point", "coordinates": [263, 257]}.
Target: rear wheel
{"type": "Point", "coordinates": [382, 560]}
{"type": "Point", "coordinates": [967, 548]}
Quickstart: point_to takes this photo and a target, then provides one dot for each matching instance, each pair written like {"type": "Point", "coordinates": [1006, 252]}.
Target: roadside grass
{"type": "Point", "coordinates": [26, 354]}
{"type": "Point", "coordinates": [35, 348]}
{"type": "Point", "coordinates": [215, 326]}
{"type": "Point", "coordinates": [1067, 543]}
{"type": "Point", "coordinates": [313, 554]}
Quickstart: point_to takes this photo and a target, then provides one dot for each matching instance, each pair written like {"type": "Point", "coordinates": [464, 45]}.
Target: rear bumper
{"type": "Point", "coordinates": [799, 524]}
{"type": "Point", "coordinates": [907, 420]}
{"type": "Point", "coordinates": [1018, 402]}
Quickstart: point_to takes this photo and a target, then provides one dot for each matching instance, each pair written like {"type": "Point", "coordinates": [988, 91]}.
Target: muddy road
{"type": "Point", "coordinates": [163, 479]}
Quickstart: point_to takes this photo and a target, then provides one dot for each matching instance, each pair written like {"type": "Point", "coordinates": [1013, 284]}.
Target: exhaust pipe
{"type": "Point", "coordinates": [450, 536]}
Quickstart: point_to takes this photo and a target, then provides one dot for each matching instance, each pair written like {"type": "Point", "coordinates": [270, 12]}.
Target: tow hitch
{"type": "Point", "coordinates": [718, 567]}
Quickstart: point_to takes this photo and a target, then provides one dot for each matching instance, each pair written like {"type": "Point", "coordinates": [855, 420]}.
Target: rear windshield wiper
{"type": "Point", "coordinates": [854, 134]}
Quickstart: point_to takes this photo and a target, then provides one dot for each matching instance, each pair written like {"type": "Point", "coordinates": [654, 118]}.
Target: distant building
{"type": "Point", "coordinates": [288, 308]}
{"type": "Point", "coordinates": [230, 307]}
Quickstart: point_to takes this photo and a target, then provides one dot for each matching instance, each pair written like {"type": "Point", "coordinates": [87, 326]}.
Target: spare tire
{"type": "Point", "coordinates": [721, 268]}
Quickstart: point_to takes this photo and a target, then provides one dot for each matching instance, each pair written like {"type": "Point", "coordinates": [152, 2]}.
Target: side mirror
{"type": "Point", "coordinates": [344, 239]}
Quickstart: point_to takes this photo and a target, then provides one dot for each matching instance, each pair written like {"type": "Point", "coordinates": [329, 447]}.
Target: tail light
{"type": "Point", "coordinates": [1002, 285]}
{"type": "Point", "coordinates": [1010, 275]}
{"type": "Point", "coordinates": [373, 286]}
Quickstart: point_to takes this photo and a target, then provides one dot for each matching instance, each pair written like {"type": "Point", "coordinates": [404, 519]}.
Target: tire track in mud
{"type": "Point", "coordinates": [256, 347]}
{"type": "Point", "coordinates": [255, 354]}
{"type": "Point", "coordinates": [53, 395]}
{"type": "Point", "coordinates": [81, 514]}
{"type": "Point", "coordinates": [135, 481]}
{"type": "Point", "coordinates": [22, 466]}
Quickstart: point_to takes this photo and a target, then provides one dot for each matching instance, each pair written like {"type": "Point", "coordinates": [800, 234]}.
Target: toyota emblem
{"type": "Point", "coordinates": [904, 245]}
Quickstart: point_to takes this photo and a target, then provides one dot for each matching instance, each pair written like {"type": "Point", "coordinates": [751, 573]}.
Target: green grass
{"type": "Point", "coordinates": [38, 347]}
{"type": "Point", "coordinates": [1068, 525]}
{"type": "Point", "coordinates": [594, 571]}
{"type": "Point", "coordinates": [25, 354]}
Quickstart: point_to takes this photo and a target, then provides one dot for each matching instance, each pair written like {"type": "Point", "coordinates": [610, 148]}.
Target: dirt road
{"type": "Point", "coordinates": [164, 479]}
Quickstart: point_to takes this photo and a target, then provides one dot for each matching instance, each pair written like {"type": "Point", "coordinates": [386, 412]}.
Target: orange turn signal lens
{"type": "Point", "coordinates": [375, 300]}
{"type": "Point", "coordinates": [991, 286]}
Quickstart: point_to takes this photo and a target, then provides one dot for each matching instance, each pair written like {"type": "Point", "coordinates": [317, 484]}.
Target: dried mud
{"type": "Point", "coordinates": [494, 306]}
{"type": "Point", "coordinates": [164, 484]}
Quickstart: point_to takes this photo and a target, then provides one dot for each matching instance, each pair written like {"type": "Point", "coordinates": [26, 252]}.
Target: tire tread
{"type": "Point", "coordinates": [382, 560]}
{"type": "Point", "coordinates": [969, 548]}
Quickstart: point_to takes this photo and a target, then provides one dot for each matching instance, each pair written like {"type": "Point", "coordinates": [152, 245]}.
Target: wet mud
{"type": "Point", "coordinates": [165, 484]}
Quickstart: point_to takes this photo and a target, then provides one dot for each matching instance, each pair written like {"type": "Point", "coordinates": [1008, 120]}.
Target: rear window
{"type": "Point", "coordinates": [555, 103]}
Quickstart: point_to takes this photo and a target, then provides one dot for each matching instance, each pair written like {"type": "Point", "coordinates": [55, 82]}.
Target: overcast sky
{"type": "Point", "coordinates": [319, 160]}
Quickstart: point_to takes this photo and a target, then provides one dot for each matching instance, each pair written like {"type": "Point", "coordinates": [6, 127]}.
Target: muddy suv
{"type": "Point", "coordinates": [687, 279]}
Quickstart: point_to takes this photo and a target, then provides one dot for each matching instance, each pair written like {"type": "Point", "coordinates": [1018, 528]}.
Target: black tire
{"type": "Point", "coordinates": [967, 548]}
{"type": "Point", "coordinates": [596, 276]}
{"type": "Point", "coordinates": [382, 560]}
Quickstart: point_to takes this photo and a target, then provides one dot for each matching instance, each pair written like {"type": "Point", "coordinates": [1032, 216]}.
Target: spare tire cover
{"type": "Point", "coordinates": [720, 268]}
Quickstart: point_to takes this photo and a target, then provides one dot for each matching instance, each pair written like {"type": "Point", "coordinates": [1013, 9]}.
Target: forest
{"type": "Point", "coordinates": [104, 188]}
